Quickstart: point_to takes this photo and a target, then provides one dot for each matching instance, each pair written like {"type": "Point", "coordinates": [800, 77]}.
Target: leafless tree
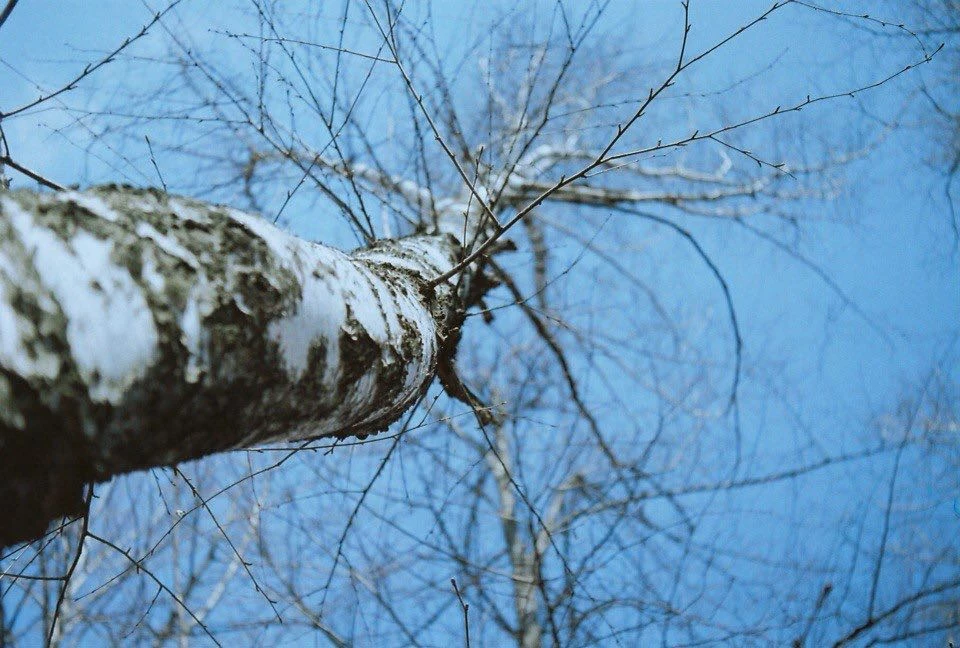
{"type": "Point", "coordinates": [530, 377]}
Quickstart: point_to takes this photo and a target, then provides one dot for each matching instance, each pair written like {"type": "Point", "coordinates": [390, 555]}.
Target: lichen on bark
{"type": "Point", "coordinates": [140, 329]}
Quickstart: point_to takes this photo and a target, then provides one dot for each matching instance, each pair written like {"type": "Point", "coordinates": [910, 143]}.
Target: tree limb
{"type": "Point", "coordinates": [139, 329]}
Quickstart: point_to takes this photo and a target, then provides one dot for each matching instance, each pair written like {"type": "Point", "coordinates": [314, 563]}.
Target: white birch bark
{"type": "Point", "coordinates": [139, 329]}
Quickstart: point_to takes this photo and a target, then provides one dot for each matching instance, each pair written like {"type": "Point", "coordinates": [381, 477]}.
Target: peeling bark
{"type": "Point", "coordinates": [139, 329]}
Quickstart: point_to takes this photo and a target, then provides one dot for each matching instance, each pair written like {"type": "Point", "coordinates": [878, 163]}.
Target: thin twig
{"type": "Point", "coordinates": [141, 567]}
{"type": "Point", "coordinates": [605, 156]}
{"type": "Point", "coordinates": [236, 552]}
{"type": "Point", "coordinates": [90, 68]}
{"type": "Point", "coordinates": [153, 160]}
{"type": "Point", "coordinates": [391, 44]}
{"type": "Point", "coordinates": [8, 161]}
{"type": "Point", "coordinates": [294, 41]}
{"type": "Point", "coordinates": [7, 11]}
{"type": "Point", "coordinates": [73, 565]}
{"type": "Point", "coordinates": [466, 613]}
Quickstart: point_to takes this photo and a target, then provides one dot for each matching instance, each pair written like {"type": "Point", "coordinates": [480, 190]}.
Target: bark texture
{"type": "Point", "coordinates": [138, 329]}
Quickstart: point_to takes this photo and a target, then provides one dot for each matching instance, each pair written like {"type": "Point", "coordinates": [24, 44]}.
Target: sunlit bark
{"type": "Point", "coordinates": [139, 329]}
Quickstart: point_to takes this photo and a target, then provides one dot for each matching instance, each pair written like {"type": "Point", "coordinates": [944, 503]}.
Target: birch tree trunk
{"type": "Point", "coordinates": [139, 329]}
